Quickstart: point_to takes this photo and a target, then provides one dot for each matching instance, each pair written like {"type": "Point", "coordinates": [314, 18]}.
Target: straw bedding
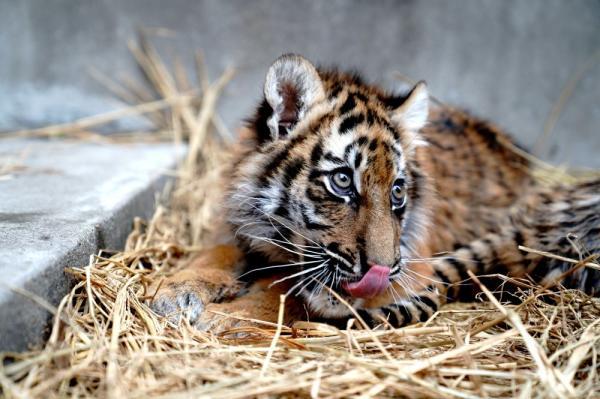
{"type": "Point", "coordinates": [106, 342]}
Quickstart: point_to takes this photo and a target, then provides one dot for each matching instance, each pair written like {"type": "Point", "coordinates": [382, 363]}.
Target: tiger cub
{"type": "Point", "coordinates": [350, 199]}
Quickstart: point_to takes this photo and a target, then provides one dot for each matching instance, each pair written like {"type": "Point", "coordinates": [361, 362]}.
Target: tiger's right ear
{"type": "Point", "coordinates": [413, 112]}
{"type": "Point", "coordinates": [292, 87]}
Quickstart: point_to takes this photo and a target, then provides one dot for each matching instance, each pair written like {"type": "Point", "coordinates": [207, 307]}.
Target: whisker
{"type": "Point", "coordinates": [414, 260]}
{"type": "Point", "coordinates": [301, 247]}
{"type": "Point", "coordinates": [309, 278]}
{"type": "Point", "coordinates": [424, 287]}
{"type": "Point", "coordinates": [296, 275]}
{"type": "Point", "coordinates": [282, 247]}
{"type": "Point", "coordinates": [412, 294]}
{"type": "Point", "coordinates": [428, 278]}
{"type": "Point", "coordinates": [276, 266]}
{"type": "Point", "coordinates": [320, 288]}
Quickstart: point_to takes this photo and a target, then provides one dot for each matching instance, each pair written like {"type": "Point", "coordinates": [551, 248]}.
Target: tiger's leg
{"type": "Point", "coordinates": [261, 302]}
{"type": "Point", "coordinates": [210, 277]}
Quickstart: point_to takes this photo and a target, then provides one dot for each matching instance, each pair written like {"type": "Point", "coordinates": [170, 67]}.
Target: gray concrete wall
{"type": "Point", "coordinates": [506, 60]}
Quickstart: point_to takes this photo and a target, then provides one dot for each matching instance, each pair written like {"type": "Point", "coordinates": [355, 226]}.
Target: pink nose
{"type": "Point", "coordinates": [373, 283]}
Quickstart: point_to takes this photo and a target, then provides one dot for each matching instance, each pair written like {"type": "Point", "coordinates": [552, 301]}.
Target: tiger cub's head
{"type": "Point", "coordinates": [329, 187]}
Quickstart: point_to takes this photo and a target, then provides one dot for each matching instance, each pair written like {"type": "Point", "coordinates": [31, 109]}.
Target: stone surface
{"type": "Point", "coordinates": [506, 60]}
{"type": "Point", "coordinates": [60, 202]}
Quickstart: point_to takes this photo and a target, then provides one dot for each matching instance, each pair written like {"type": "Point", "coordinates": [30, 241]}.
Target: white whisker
{"type": "Point", "coordinates": [276, 266]}
{"type": "Point", "coordinates": [297, 274]}
{"type": "Point", "coordinates": [282, 247]}
{"type": "Point", "coordinates": [309, 278]}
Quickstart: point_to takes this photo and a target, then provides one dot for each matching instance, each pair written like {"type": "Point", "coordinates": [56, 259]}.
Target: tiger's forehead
{"type": "Point", "coordinates": [359, 135]}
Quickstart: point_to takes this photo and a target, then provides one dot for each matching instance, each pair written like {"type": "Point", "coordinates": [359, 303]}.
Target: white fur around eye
{"type": "Point", "coordinates": [401, 205]}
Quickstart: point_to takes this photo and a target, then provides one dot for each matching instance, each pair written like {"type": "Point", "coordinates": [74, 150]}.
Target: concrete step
{"type": "Point", "coordinates": [60, 202]}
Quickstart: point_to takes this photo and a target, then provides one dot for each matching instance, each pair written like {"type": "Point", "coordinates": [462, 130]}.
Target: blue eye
{"type": "Point", "coordinates": [341, 182]}
{"type": "Point", "coordinates": [398, 194]}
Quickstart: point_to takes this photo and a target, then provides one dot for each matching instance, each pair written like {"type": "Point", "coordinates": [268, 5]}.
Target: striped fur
{"type": "Point", "coordinates": [464, 202]}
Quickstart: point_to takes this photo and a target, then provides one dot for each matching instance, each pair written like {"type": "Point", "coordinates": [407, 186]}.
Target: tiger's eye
{"type": "Point", "coordinates": [398, 194]}
{"type": "Point", "coordinates": [342, 180]}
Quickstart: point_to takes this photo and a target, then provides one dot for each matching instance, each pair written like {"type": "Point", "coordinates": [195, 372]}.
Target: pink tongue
{"type": "Point", "coordinates": [373, 283]}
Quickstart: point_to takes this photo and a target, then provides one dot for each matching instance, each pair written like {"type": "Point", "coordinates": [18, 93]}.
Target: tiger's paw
{"type": "Point", "coordinates": [188, 293]}
{"type": "Point", "coordinates": [177, 301]}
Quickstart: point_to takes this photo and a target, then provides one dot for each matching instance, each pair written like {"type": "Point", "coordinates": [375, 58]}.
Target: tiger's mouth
{"type": "Point", "coordinates": [373, 282]}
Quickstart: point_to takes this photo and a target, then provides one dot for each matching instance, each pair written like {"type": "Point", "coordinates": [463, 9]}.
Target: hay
{"type": "Point", "coordinates": [106, 342]}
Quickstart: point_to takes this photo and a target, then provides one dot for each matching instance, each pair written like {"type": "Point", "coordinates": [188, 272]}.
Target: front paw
{"type": "Point", "coordinates": [186, 294]}
{"type": "Point", "coordinates": [176, 301]}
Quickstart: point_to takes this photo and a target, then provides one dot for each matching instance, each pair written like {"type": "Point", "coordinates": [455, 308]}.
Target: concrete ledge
{"type": "Point", "coordinates": [62, 202]}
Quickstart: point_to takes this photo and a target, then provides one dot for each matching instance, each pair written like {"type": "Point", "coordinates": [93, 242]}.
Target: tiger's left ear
{"type": "Point", "coordinates": [412, 113]}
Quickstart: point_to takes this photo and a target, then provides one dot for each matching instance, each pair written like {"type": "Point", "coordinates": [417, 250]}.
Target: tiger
{"type": "Point", "coordinates": [356, 202]}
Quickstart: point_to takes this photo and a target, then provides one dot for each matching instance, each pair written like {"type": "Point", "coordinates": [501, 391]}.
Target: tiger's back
{"type": "Point", "coordinates": [475, 173]}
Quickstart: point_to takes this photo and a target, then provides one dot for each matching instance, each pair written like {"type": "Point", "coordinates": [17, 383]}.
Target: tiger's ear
{"type": "Point", "coordinates": [412, 113]}
{"type": "Point", "coordinates": [292, 87]}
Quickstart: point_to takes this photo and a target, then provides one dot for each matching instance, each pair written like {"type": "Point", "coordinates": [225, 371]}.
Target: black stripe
{"type": "Point", "coordinates": [357, 160]}
{"type": "Point", "coordinates": [335, 248]}
{"type": "Point", "coordinates": [494, 260]}
{"type": "Point", "coordinates": [423, 315]}
{"type": "Point", "coordinates": [391, 316]}
{"type": "Point", "coordinates": [282, 210]}
{"type": "Point", "coordinates": [316, 153]}
{"type": "Point", "coordinates": [330, 157]}
{"type": "Point", "coordinates": [347, 150]}
{"type": "Point", "coordinates": [310, 224]}
{"type": "Point", "coordinates": [372, 118]}
{"type": "Point", "coordinates": [462, 273]}
{"type": "Point", "coordinates": [336, 90]}
{"type": "Point", "coordinates": [519, 239]}
{"type": "Point", "coordinates": [273, 165]}
{"type": "Point", "coordinates": [362, 97]}
{"type": "Point", "coordinates": [291, 171]}
{"type": "Point", "coordinates": [390, 128]}
{"type": "Point", "coordinates": [442, 277]}
{"type": "Point", "coordinates": [406, 315]}
{"type": "Point", "coordinates": [460, 267]}
{"type": "Point", "coordinates": [427, 301]}
{"type": "Point", "coordinates": [366, 316]}
{"type": "Point", "coordinates": [373, 144]}
{"type": "Point", "coordinates": [348, 105]}
{"type": "Point", "coordinates": [394, 101]}
{"type": "Point", "coordinates": [281, 156]}
{"type": "Point", "coordinates": [350, 123]}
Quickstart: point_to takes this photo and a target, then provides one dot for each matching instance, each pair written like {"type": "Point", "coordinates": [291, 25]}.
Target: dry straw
{"type": "Point", "coordinates": [106, 342]}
